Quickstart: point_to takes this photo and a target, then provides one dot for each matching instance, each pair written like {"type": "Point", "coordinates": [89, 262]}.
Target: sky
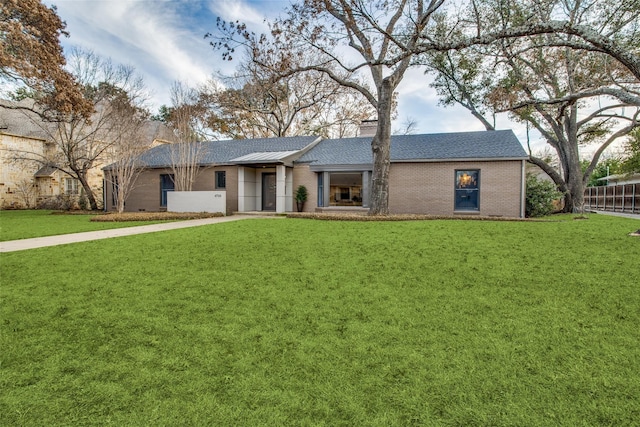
{"type": "Point", "coordinates": [164, 41]}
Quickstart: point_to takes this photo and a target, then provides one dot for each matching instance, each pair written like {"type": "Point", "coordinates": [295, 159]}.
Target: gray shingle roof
{"type": "Point", "coordinates": [222, 152]}
{"type": "Point", "coordinates": [500, 144]}
{"type": "Point", "coordinates": [20, 122]}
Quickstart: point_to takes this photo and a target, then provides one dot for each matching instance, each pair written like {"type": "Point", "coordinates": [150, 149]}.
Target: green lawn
{"type": "Point", "coordinates": [302, 322]}
{"type": "Point", "coordinates": [26, 224]}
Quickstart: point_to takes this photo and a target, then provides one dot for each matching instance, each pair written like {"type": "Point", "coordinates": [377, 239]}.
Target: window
{"type": "Point", "coordinates": [221, 180]}
{"type": "Point", "coordinates": [166, 185]}
{"type": "Point", "coordinates": [467, 197]}
{"type": "Point", "coordinates": [71, 186]}
{"type": "Point", "coordinates": [320, 189]}
{"type": "Point", "coordinates": [345, 189]}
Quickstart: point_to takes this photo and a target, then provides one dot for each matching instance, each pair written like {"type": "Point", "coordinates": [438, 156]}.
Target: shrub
{"type": "Point", "coordinates": [301, 194]}
{"type": "Point", "coordinates": [61, 202]}
{"type": "Point", "coordinates": [541, 195]}
{"type": "Point", "coordinates": [83, 203]}
{"type": "Point", "coordinates": [153, 216]}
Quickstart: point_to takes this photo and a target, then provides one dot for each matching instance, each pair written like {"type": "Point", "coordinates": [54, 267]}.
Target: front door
{"type": "Point", "coordinates": [268, 191]}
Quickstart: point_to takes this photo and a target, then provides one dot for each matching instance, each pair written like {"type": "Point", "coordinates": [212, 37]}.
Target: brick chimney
{"type": "Point", "coordinates": [368, 128]}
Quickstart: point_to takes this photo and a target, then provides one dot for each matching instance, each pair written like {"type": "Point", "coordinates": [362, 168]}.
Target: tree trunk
{"type": "Point", "coordinates": [381, 147]}
{"type": "Point", "coordinates": [82, 177]}
{"type": "Point", "coordinates": [576, 188]}
{"type": "Point", "coordinates": [571, 162]}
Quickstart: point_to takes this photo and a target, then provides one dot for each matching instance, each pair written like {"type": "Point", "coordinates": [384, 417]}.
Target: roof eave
{"type": "Point", "coordinates": [459, 159]}
{"type": "Point", "coordinates": [360, 167]}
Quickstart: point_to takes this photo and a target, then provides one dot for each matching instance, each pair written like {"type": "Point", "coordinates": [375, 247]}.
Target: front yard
{"type": "Point", "coordinates": [302, 322]}
{"type": "Point", "coordinates": [26, 224]}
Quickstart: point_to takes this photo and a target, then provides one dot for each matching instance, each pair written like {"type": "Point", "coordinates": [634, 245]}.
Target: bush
{"type": "Point", "coordinates": [153, 216]}
{"type": "Point", "coordinates": [541, 196]}
{"type": "Point", "coordinates": [83, 203]}
{"type": "Point", "coordinates": [301, 194]}
{"type": "Point", "coordinates": [61, 202]}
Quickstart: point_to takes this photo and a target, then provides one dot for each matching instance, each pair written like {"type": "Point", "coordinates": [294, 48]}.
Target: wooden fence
{"type": "Point", "coordinates": [615, 198]}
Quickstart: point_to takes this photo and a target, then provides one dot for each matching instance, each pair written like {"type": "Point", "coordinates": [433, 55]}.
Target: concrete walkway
{"type": "Point", "coordinates": [620, 214]}
{"type": "Point", "coordinates": [41, 242]}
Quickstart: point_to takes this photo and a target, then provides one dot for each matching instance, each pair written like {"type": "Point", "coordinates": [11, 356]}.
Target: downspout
{"type": "Point", "coordinates": [104, 194]}
{"type": "Point", "coordinates": [523, 189]}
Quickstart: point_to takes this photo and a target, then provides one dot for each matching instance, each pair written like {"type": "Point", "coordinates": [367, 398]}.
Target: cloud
{"type": "Point", "coordinates": [243, 11]}
{"type": "Point", "coordinates": [157, 38]}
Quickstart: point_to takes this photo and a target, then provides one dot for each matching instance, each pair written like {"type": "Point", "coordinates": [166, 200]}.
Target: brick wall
{"type": "Point", "coordinates": [428, 188]}
{"type": "Point", "coordinates": [302, 175]}
{"type": "Point", "coordinates": [146, 194]}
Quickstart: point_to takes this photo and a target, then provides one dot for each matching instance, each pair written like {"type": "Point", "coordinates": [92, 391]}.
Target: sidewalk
{"type": "Point", "coordinates": [620, 214]}
{"type": "Point", "coordinates": [41, 242]}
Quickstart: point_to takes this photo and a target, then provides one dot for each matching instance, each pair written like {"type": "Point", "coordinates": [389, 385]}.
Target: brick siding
{"type": "Point", "coordinates": [428, 188]}
{"type": "Point", "coordinates": [302, 175]}
{"type": "Point", "coordinates": [146, 194]}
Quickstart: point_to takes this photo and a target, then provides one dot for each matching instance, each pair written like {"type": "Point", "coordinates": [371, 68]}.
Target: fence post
{"type": "Point", "coordinates": [615, 193]}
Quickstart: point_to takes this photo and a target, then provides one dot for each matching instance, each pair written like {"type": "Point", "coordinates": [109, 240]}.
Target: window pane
{"type": "Point", "coordinates": [467, 190]}
{"type": "Point", "coordinates": [221, 179]}
{"type": "Point", "coordinates": [166, 184]}
{"type": "Point", "coordinates": [320, 189]}
{"type": "Point", "coordinates": [467, 179]}
{"type": "Point", "coordinates": [72, 186]}
{"type": "Point", "coordinates": [345, 189]}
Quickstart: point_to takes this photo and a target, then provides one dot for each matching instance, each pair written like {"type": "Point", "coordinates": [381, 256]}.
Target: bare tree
{"type": "Point", "coordinates": [259, 102]}
{"type": "Point", "coordinates": [409, 126]}
{"type": "Point", "coordinates": [82, 143]}
{"type": "Point", "coordinates": [187, 152]}
{"type": "Point", "coordinates": [27, 192]}
{"type": "Point", "coordinates": [130, 141]}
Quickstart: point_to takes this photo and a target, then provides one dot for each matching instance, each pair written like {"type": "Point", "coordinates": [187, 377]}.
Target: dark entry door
{"type": "Point", "coordinates": [268, 191]}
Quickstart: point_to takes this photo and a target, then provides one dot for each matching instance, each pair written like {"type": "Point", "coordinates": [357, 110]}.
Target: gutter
{"type": "Point", "coordinates": [523, 189]}
{"type": "Point", "coordinates": [461, 159]}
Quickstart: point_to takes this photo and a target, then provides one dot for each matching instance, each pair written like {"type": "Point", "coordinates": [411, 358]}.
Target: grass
{"type": "Point", "coordinates": [301, 322]}
{"type": "Point", "coordinates": [15, 225]}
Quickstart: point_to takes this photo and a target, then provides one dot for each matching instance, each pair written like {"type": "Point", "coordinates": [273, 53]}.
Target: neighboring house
{"type": "Point", "coordinates": [27, 183]}
{"type": "Point", "coordinates": [466, 173]}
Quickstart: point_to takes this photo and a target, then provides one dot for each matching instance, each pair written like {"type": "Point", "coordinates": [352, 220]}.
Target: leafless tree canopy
{"type": "Point", "coordinates": [81, 143]}
{"type": "Point", "coordinates": [258, 101]}
{"type": "Point", "coordinates": [185, 120]}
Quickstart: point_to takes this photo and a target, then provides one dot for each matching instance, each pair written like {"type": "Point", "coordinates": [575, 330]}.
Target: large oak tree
{"type": "Point", "coordinates": [576, 98]}
{"type": "Point", "coordinates": [31, 56]}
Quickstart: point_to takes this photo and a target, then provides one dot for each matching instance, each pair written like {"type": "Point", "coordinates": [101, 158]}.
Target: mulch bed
{"type": "Point", "coordinates": [152, 216]}
{"type": "Point", "coordinates": [364, 217]}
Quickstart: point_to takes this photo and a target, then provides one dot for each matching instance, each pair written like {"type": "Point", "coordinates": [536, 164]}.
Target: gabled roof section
{"type": "Point", "coordinates": [482, 145]}
{"type": "Point", "coordinates": [45, 172]}
{"type": "Point", "coordinates": [235, 151]}
{"type": "Point", "coordinates": [16, 119]}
